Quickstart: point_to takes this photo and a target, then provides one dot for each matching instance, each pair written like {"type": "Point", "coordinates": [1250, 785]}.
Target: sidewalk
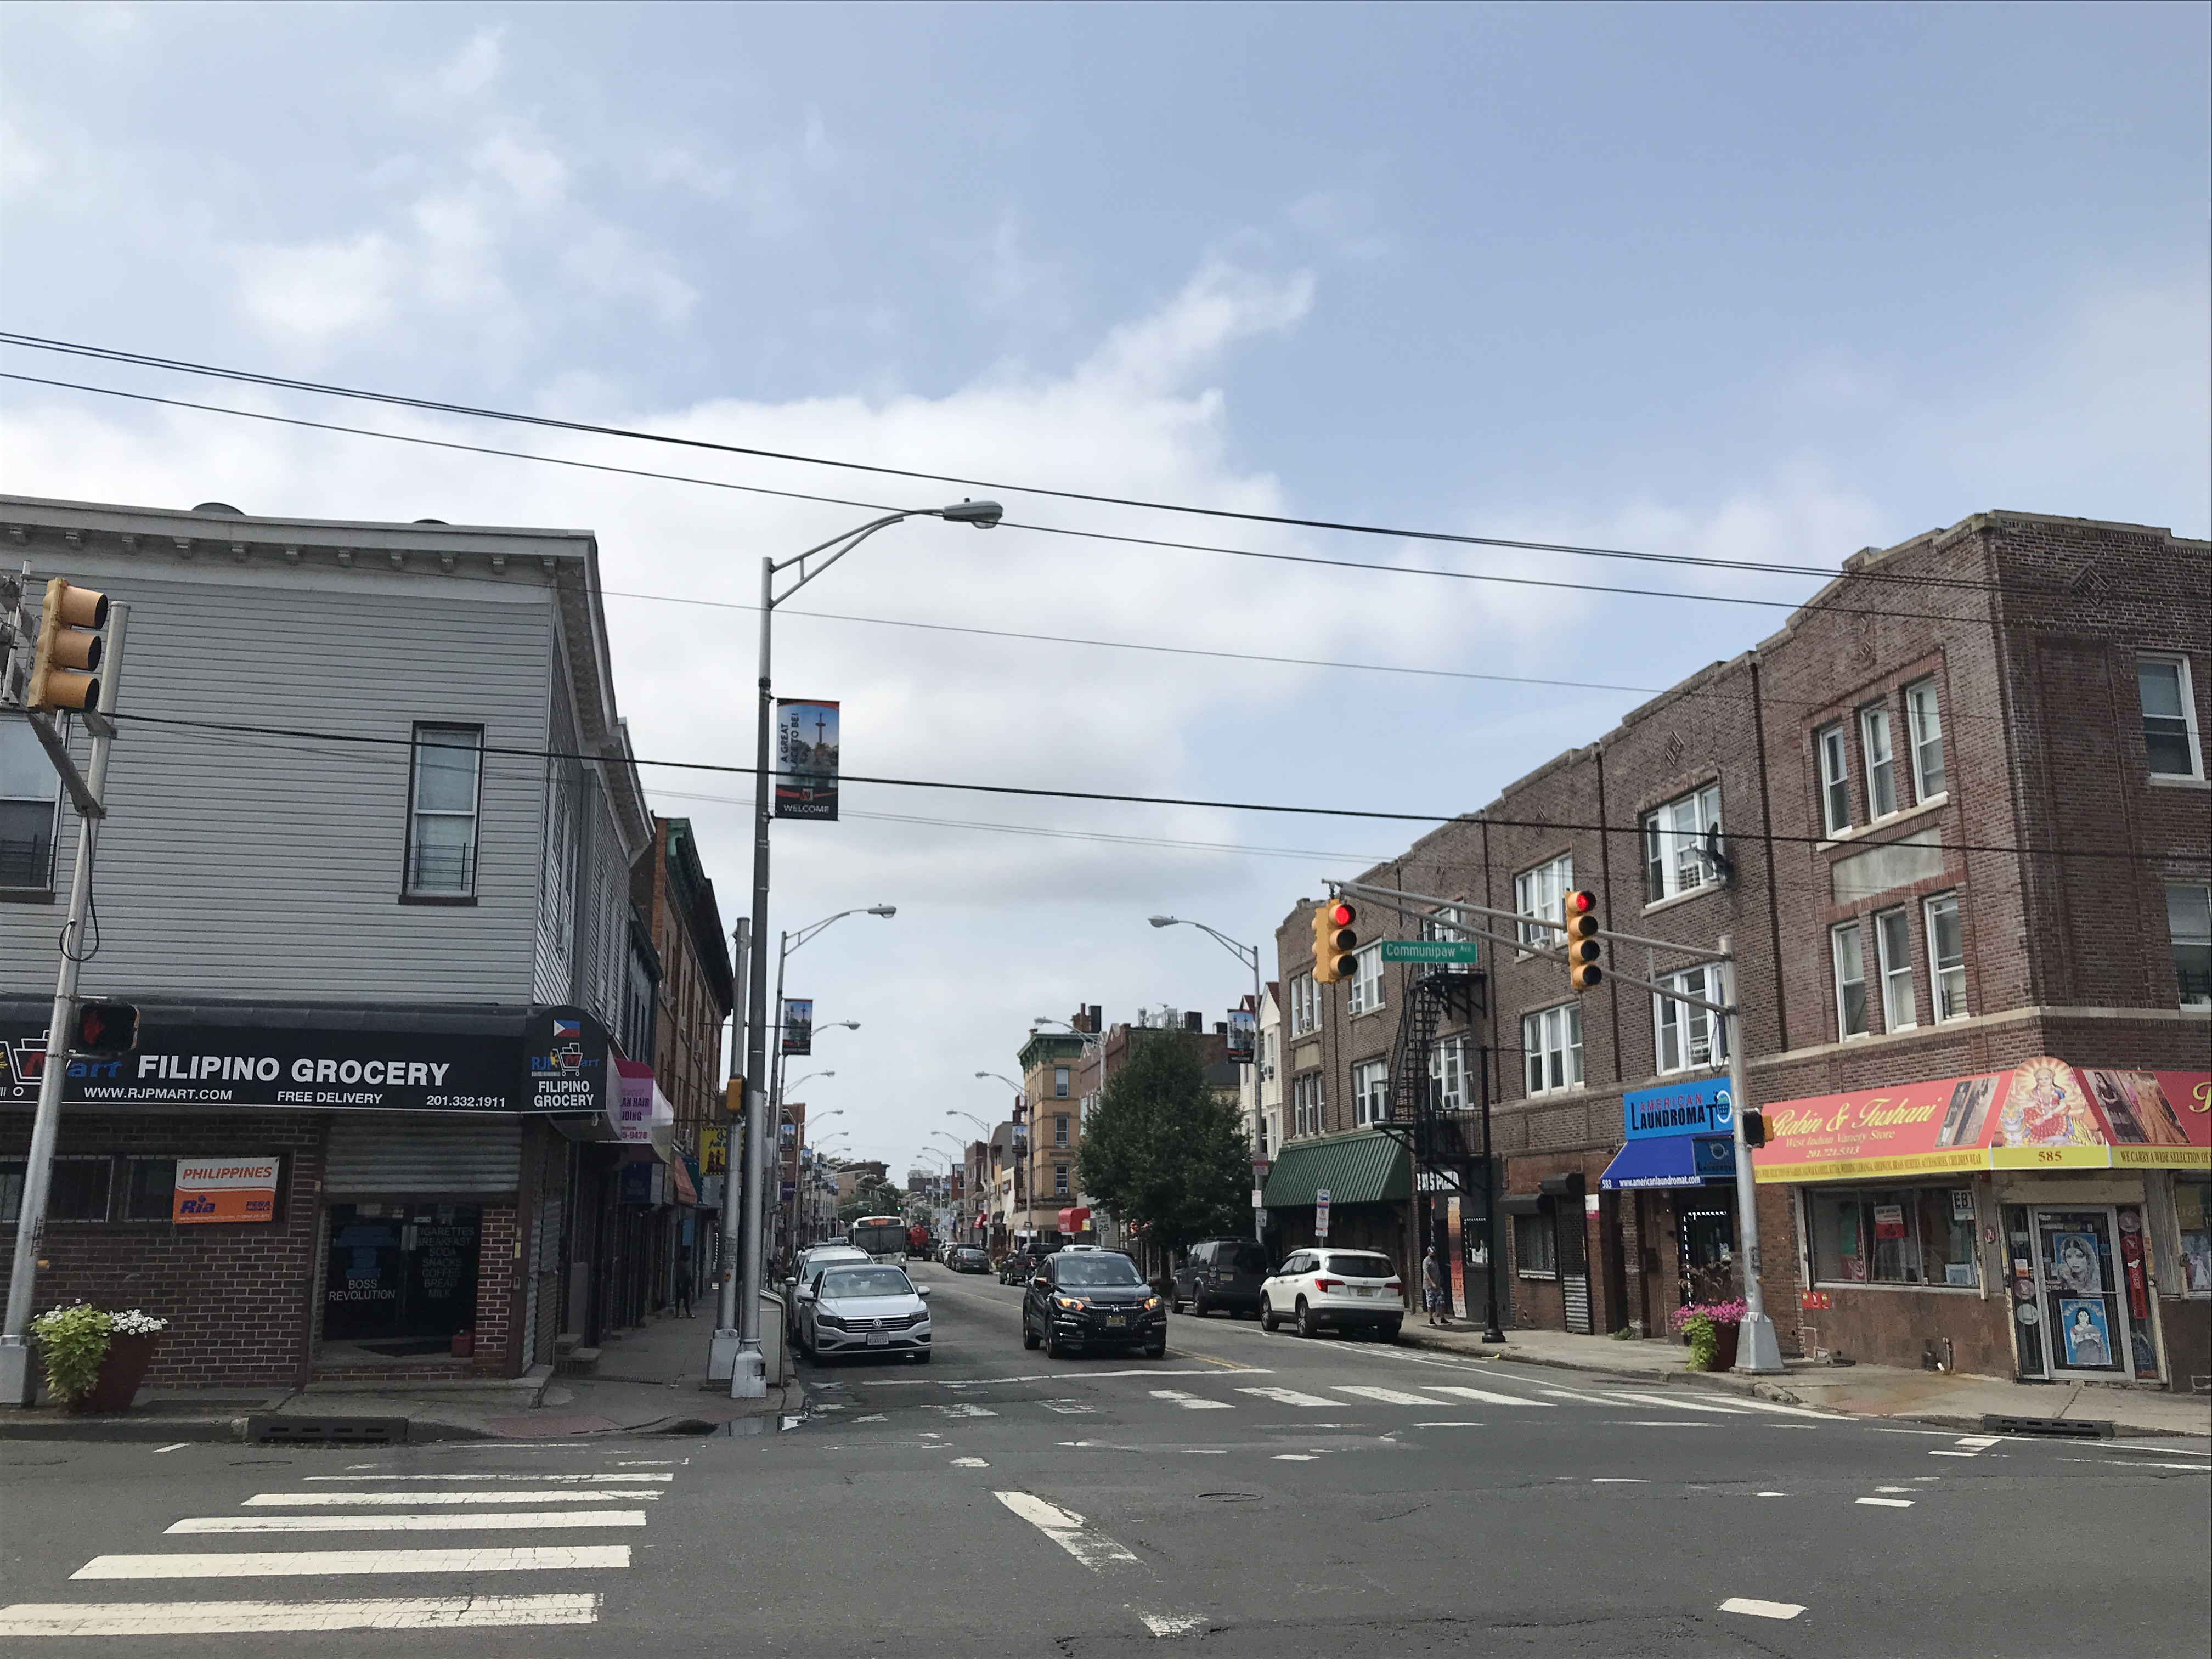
{"type": "Point", "coordinates": [1951, 1401]}
{"type": "Point", "coordinates": [650, 1379]}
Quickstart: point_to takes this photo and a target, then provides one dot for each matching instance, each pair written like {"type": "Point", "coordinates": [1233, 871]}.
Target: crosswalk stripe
{"type": "Point", "coordinates": [1675, 1402]}
{"type": "Point", "coordinates": [290, 1499]}
{"type": "Point", "coordinates": [1290, 1397]}
{"type": "Point", "coordinates": [1779, 1409]}
{"type": "Point", "coordinates": [1587, 1399]}
{"type": "Point", "coordinates": [535, 1479]}
{"type": "Point", "coordinates": [161, 1618]}
{"type": "Point", "coordinates": [1192, 1403]}
{"type": "Point", "coordinates": [1486, 1396]}
{"type": "Point", "coordinates": [1388, 1396]}
{"type": "Point", "coordinates": [525, 1520]}
{"type": "Point", "coordinates": [296, 1564]}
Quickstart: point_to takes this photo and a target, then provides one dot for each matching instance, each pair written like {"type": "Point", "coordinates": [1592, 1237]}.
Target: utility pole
{"type": "Point", "coordinates": [17, 1385]}
{"type": "Point", "coordinates": [722, 1348]}
{"type": "Point", "coordinates": [1758, 1349]}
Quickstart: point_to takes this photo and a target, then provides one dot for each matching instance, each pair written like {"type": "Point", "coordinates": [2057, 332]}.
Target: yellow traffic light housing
{"type": "Point", "coordinates": [65, 662]}
{"type": "Point", "coordinates": [1335, 942]}
{"type": "Point", "coordinates": [1579, 908]}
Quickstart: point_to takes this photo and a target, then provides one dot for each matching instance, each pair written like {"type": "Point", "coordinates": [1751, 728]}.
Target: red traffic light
{"type": "Point", "coordinates": [105, 1028]}
{"type": "Point", "coordinates": [1580, 902]}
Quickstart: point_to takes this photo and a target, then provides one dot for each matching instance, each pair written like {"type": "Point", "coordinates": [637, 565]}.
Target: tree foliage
{"type": "Point", "coordinates": [1161, 1149]}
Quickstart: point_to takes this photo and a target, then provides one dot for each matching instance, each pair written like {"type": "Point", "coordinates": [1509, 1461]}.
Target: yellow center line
{"type": "Point", "coordinates": [1213, 1359]}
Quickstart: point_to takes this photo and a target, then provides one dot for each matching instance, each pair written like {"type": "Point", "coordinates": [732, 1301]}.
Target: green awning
{"type": "Point", "coordinates": [1364, 1166]}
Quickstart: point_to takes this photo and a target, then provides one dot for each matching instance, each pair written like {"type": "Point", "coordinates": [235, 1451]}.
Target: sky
{"type": "Point", "coordinates": [1758, 284]}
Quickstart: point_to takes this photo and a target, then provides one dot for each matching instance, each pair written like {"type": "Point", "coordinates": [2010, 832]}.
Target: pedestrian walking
{"type": "Point", "coordinates": [684, 1288]}
{"type": "Point", "coordinates": [1435, 1288]}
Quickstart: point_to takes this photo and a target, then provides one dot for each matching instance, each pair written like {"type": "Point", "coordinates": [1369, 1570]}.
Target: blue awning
{"type": "Point", "coordinates": [1672, 1161]}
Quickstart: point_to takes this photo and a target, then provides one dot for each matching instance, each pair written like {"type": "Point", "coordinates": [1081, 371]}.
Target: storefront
{"type": "Point", "coordinates": [1674, 1179]}
{"type": "Point", "coordinates": [1350, 1190]}
{"type": "Point", "coordinates": [2046, 1221]}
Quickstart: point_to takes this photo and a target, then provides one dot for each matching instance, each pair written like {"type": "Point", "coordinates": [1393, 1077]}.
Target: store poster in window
{"type": "Point", "coordinates": [2073, 1264]}
{"type": "Point", "coordinates": [2194, 1212]}
{"type": "Point", "coordinates": [1851, 1254]}
{"type": "Point", "coordinates": [2082, 1325]}
{"type": "Point", "coordinates": [2135, 1275]}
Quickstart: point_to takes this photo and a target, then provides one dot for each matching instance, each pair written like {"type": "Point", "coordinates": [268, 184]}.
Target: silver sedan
{"type": "Point", "coordinates": [864, 1309]}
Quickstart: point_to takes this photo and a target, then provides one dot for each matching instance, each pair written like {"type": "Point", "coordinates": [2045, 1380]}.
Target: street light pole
{"type": "Point", "coordinates": [1244, 953]}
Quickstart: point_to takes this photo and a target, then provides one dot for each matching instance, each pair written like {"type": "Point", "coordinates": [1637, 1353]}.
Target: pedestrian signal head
{"type": "Point", "coordinates": [105, 1028]}
{"type": "Point", "coordinates": [1578, 908]}
{"type": "Point", "coordinates": [1336, 941]}
{"type": "Point", "coordinates": [1754, 1128]}
{"type": "Point", "coordinates": [65, 662]}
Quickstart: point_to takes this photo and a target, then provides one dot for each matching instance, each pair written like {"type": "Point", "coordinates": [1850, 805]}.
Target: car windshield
{"type": "Point", "coordinates": [865, 1281]}
{"type": "Point", "coordinates": [1361, 1267]}
{"type": "Point", "coordinates": [1097, 1272]}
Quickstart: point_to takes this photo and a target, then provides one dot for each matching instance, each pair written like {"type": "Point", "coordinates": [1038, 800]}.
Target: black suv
{"type": "Point", "coordinates": [1086, 1299]}
{"type": "Point", "coordinates": [1019, 1266]}
{"type": "Point", "coordinates": [1221, 1273]}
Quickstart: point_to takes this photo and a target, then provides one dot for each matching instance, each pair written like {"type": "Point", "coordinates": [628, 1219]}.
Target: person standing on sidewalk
{"type": "Point", "coordinates": [683, 1287]}
{"type": "Point", "coordinates": [1434, 1289]}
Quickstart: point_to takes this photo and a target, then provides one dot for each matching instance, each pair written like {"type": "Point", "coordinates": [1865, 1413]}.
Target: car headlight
{"type": "Point", "coordinates": [831, 1319]}
{"type": "Point", "coordinates": [1150, 1303]}
{"type": "Point", "coordinates": [1070, 1303]}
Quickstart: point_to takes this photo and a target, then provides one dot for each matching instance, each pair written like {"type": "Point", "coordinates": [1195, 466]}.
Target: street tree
{"type": "Point", "coordinates": [1162, 1149]}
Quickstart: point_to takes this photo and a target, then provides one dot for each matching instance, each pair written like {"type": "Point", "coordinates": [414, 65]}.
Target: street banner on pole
{"type": "Point", "coordinates": [805, 759]}
{"type": "Point", "coordinates": [799, 1025]}
{"type": "Point", "coordinates": [1321, 1213]}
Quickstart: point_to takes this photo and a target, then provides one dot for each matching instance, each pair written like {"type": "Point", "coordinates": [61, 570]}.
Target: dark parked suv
{"type": "Point", "coordinates": [1087, 1299]}
{"type": "Point", "coordinates": [1221, 1273]}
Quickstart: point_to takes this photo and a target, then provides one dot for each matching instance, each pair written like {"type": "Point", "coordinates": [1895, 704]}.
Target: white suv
{"type": "Point", "coordinates": [1321, 1289]}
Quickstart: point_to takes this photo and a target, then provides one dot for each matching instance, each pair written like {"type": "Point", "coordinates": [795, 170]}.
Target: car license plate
{"type": "Point", "coordinates": [1112, 1320]}
{"type": "Point", "coordinates": [1366, 1289]}
{"type": "Point", "coordinates": [880, 1339]}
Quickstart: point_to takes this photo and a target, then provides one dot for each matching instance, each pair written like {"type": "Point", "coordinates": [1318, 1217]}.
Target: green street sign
{"type": "Point", "coordinates": [1447, 950]}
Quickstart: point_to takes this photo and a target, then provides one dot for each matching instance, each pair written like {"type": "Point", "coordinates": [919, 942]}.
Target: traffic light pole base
{"type": "Point", "coordinates": [1758, 1352]}
{"type": "Point", "coordinates": [749, 1381]}
{"type": "Point", "coordinates": [722, 1356]}
{"type": "Point", "coordinates": [16, 1378]}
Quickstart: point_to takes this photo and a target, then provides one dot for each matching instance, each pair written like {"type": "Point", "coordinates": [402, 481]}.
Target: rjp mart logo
{"type": "Point", "coordinates": [21, 1065]}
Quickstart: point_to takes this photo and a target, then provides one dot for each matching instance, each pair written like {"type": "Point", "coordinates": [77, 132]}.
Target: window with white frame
{"type": "Point", "coordinates": [1552, 1043]}
{"type": "Point", "coordinates": [441, 812]}
{"type": "Point", "coordinates": [1059, 1083]}
{"type": "Point", "coordinates": [1835, 755]}
{"type": "Point", "coordinates": [1848, 948]}
{"type": "Point", "coordinates": [1366, 992]}
{"type": "Point", "coordinates": [2189, 919]}
{"type": "Point", "coordinates": [1690, 1036]}
{"type": "Point", "coordinates": [1440, 926]}
{"type": "Point", "coordinates": [1924, 728]}
{"type": "Point", "coordinates": [1539, 892]}
{"type": "Point", "coordinates": [1946, 957]}
{"type": "Point", "coordinates": [1448, 1075]}
{"type": "Point", "coordinates": [2169, 717]}
{"type": "Point", "coordinates": [1371, 1092]}
{"type": "Point", "coordinates": [1675, 844]}
{"type": "Point", "coordinates": [1305, 1005]}
{"type": "Point", "coordinates": [1881, 761]}
{"type": "Point", "coordinates": [1305, 1104]}
{"type": "Point", "coordinates": [1060, 1180]}
{"type": "Point", "coordinates": [1893, 942]}
{"type": "Point", "coordinates": [30, 805]}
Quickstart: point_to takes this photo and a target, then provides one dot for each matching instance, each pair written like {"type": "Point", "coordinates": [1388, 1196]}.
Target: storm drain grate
{"type": "Point", "coordinates": [325, 1431]}
{"type": "Point", "coordinates": [2068, 1428]}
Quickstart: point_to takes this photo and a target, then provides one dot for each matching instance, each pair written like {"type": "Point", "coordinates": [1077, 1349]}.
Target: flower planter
{"type": "Point", "coordinates": [1725, 1345]}
{"type": "Point", "coordinates": [122, 1369]}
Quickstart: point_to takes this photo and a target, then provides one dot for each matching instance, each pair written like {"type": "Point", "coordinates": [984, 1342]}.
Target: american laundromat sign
{"type": "Point", "coordinates": [554, 1061]}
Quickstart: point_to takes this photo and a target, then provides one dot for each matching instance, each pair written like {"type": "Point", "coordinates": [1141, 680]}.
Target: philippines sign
{"type": "Point", "coordinates": [805, 759]}
{"type": "Point", "coordinates": [224, 1190]}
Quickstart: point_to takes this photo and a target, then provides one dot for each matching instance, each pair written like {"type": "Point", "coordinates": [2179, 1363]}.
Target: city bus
{"type": "Point", "coordinates": [883, 1237]}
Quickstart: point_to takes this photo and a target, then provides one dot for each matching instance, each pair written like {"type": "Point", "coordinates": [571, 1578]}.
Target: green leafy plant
{"type": "Point", "coordinates": [1700, 1321]}
{"type": "Point", "coordinates": [73, 1341]}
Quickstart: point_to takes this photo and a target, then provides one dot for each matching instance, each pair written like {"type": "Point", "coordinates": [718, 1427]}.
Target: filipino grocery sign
{"type": "Point", "coordinates": [219, 1189]}
{"type": "Point", "coordinates": [2044, 1114]}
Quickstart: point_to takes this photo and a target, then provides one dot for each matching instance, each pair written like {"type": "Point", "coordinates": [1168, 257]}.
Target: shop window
{"type": "Point", "coordinates": [1689, 1037]}
{"type": "Point", "coordinates": [1552, 1043]}
{"type": "Point", "coordinates": [1881, 763]}
{"type": "Point", "coordinates": [1675, 844]}
{"type": "Point", "coordinates": [2169, 717]}
{"type": "Point", "coordinates": [400, 1279]}
{"type": "Point", "coordinates": [1366, 993]}
{"type": "Point", "coordinates": [1536, 1250]}
{"type": "Point", "coordinates": [1539, 892]}
{"type": "Point", "coordinates": [1946, 957]}
{"type": "Point", "coordinates": [441, 812]}
{"type": "Point", "coordinates": [2189, 919]}
{"type": "Point", "coordinates": [1371, 1091]}
{"type": "Point", "coordinates": [2192, 1209]}
{"type": "Point", "coordinates": [1850, 952]}
{"type": "Point", "coordinates": [30, 805]}
{"type": "Point", "coordinates": [77, 1190]}
{"type": "Point", "coordinates": [1448, 1075]}
{"type": "Point", "coordinates": [1893, 941]}
{"type": "Point", "coordinates": [1922, 1235]}
{"type": "Point", "coordinates": [1925, 720]}
{"type": "Point", "coordinates": [149, 1189]}
{"type": "Point", "coordinates": [1835, 779]}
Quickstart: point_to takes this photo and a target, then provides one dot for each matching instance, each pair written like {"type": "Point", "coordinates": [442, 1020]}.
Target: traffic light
{"type": "Point", "coordinates": [1580, 910]}
{"type": "Point", "coordinates": [1334, 942]}
{"type": "Point", "coordinates": [65, 662]}
{"type": "Point", "coordinates": [105, 1028]}
{"type": "Point", "coordinates": [1754, 1128]}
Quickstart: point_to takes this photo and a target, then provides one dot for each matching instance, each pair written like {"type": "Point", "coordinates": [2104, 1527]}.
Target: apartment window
{"type": "Point", "coordinates": [1881, 761]}
{"type": "Point", "coordinates": [1675, 844]}
{"type": "Point", "coordinates": [1926, 724]}
{"type": "Point", "coordinates": [1448, 1075]}
{"type": "Point", "coordinates": [1440, 926]}
{"type": "Point", "coordinates": [1366, 981]}
{"type": "Point", "coordinates": [2189, 919]}
{"type": "Point", "coordinates": [1060, 1180]}
{"type": "Point", "coordinates": [1946, 957]}
{"type": "Point", "coordinates": [1893, 941]}
{"type": "Point", "coordinates": [1060, 1130]}
{"type": "Point", "coordinates": [1059, 1083]}
{"type": "Point", "coordinates": [30, 808]}
{"type": "Point", "coordinates": [1538, 892]}
{"type": "Point", "coordinates": [1850, 979]}
{"type": "Point", "coordinates": [1371, 1091]}
{"type": "Point", "coordinates": [1305, 1104]}
{"type": "Point", "coordinates": [1536, 1253]}
{"type": "Point", "coordinates": [76, 1191]}
{"type": "Point", "coordinates": [1305, 1005]}
{"type": "Point", "coordinates": [1835, 779]}
{"type": "Point", "coordinates": [1689, 1037]}
{"type": "Point", "coordinates": [1552, 1043]}
{"type": "Point", "coordinates": [2169, 713]}
{"type": "Point", "coordinates": [1897, 1235]}
{"type": "Point", "coordinates": [441, 812]}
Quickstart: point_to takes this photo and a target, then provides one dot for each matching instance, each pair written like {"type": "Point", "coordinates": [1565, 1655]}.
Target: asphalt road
{"type": "Point", "coordinates": [1248, 1495]}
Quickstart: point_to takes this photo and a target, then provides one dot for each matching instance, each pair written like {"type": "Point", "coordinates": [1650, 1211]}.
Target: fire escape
{"type": "Point", "coordinates": [1447, 1147]}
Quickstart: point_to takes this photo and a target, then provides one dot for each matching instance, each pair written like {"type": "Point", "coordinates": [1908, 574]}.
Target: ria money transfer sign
{"type": "Point", "coordinates": [218, 1189]}
{"type": "Point", "coordinates": [805, 759]}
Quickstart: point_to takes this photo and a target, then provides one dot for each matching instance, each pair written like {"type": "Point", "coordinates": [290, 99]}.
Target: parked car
{"type": "Point", "coordinates": [1321, 1289]}
{"type": "Point", "coordinates": [1092, 1299]}
{"type": "Point", "coordinates": [967, 1259]}
{"type": "Point", "coordinates": [809, 1266]}
{"type": "Point", "coordinates": [1020, 1266]}
{"type": "Point", "coordinates": [1220, 1274]}
{"type": "Point", "coordinates": [863, 1308]}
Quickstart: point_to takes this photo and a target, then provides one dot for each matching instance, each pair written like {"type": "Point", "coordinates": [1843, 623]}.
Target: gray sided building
{"type": "Point", "coordinates": [382, 941]}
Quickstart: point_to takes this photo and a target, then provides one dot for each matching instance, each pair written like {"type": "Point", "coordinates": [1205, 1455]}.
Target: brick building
{"type": "Point", "coordinates": [1955, 818]}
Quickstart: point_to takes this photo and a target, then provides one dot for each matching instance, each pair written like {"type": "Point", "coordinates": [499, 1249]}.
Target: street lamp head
{"type": "Point", "coordinates": [1162, 922]}
{"type": "Point", "coordinates": [881, 910]}
{"type": "Point", "coordinates": [981, 515]}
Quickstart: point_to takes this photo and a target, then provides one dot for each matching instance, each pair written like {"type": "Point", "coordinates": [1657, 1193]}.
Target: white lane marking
{"type": "Point", "coordinates": [1290, 1397]}
{"type": "Point", "coordinates": [1893, 1489]}
{"type": "Point", "coordinates": [1762, 1609]}
{"type": "Point", "coordinates": [1886, 1502]}
{"type": "Point", "coordinates": [1297, 1457]}
{"type": "Point", "coordinates": [467, 1521]}
{"type": "Point", "coordinates": [538, 1479]}
{"type": "Point", "coordinates": [1939, 1452]}
{"type": "Point", "coordinates": [1486, 1396]}
{"type": "Point", "coordinates": [300, 1564]}
{"type": "Point", "coordinates": [963, 1409]}
{"type": "Point", "coordinates": [158, 1618]}
{"type": "Point", "coordinates": [1980, 1442]}
{"type": "Point", "coordinates": [647, 1463]}
{"type": "Point", "coordinates": [1618, 1481]}
{"type": "Point", "coordinates": [1050, 1377]}
{"type": "Point", "coordinates": [872, 1416]}
{"type": "Point", "coordinates": [1676, 1405]}
{"type": "Point", "coordinates": [1587, 1399]}
{"type": "Point", "coordinates": [1388, 1396]}
{"type": "Point", "coordinates": [969, 1464]}
{"type": "Point", "coordinates": [1067, 1529]}
{"type": "Point", "coordinates": [288, 1499]}
{"type": "Point", "coordinates": [1171, 1623]}
{"type": "Point", "coordinates": [1664, 1423]}
{"type": "Point", "coordinates": [2137, 1463]}
{"type": "Point", "coordinates": [1748, 1403]}
{"type": "Point", "coordinates": [1068, 1408]}
{"type": "Point", "coordinates": [178, 1446]}
{"type": "Point", "coordinates": [2184, 1451]}
{"type": "Point", "coordinates": [1192, 1403]}
{"type": "Point", "coordinates": [1772, 1494]}
{"type": "Point", "coordinates": [1444, 1426]}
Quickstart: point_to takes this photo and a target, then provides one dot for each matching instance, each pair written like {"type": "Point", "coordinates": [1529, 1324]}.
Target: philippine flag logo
{"type": "Point", "coordinates": [568, 1031]}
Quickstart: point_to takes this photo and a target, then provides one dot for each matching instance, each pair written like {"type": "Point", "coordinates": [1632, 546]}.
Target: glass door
{"type": "Point", "coordinates": [2084, 1321]}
